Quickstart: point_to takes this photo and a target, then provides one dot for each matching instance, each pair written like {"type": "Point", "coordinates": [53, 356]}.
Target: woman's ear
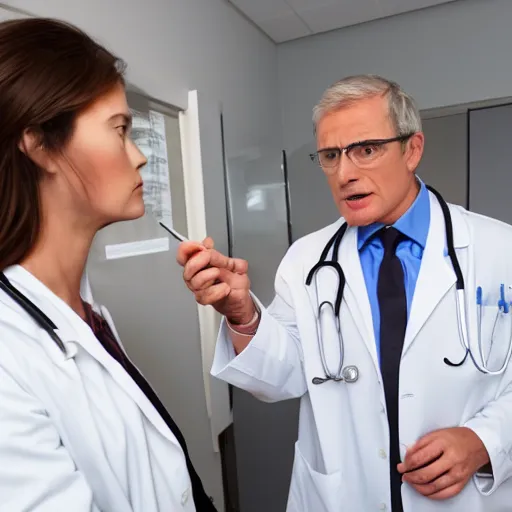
{"type": "Point", "coordinates": [31, 145]}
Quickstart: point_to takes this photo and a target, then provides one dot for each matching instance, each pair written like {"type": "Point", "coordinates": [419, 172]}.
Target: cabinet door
{"type": "Point", "coordinates": [490, 176]}
{"type": "Point", "coordinates": [444, 162]}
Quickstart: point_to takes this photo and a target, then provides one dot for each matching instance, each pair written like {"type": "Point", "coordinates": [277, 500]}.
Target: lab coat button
{"type": "Point", "coordinates": [383, 454]}
{"type": "Point", "coordinates": [185, 496]}
{"type": "Point", "coordinates": [382, 506]}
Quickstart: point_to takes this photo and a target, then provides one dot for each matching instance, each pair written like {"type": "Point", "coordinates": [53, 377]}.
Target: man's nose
{"type": "Point", "coordinates": [346, 170]}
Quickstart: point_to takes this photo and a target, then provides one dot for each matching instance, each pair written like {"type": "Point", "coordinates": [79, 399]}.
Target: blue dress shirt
{"type": "Point", "coordinates": [414, 224]}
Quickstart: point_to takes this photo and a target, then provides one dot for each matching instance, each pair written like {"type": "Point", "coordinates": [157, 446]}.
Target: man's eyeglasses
{"type": "Point", "coordinates": [364, 154]}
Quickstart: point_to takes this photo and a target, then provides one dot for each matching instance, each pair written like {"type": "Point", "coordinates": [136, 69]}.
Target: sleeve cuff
{"type": "Point", "coordinates": [487, 483]}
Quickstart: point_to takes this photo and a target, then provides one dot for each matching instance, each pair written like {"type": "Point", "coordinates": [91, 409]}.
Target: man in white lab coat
{"type": "Point", "coordinates": [406, 424]}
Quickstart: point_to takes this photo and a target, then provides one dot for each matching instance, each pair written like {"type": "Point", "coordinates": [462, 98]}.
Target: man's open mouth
{"type": "Point", "coordinates": [355, 197]}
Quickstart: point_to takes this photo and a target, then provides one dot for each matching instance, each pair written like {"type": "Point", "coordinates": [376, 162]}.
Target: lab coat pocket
{"type": "Point", "coordinates": [495, 337]}
{"type": "Point", "coordinates": [311, 491]}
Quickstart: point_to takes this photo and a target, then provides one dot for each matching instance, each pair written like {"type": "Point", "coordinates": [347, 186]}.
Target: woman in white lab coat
{"type": "Point", "coordinates": [80, 428]}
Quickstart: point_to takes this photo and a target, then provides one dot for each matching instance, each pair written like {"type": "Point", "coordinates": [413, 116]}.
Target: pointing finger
{"type": "Point", "coordinates": [186, 250]}
{"type": "Point", "coordinates": [212, 258]}
{"type": "Point", "coordinates": [208, 243]}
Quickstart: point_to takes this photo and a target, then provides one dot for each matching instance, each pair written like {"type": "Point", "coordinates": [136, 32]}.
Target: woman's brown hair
{"type": "Point", "coordinates": [50, 71]}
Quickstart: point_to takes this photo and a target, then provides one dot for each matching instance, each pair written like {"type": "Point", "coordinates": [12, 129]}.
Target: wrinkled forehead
{"type": "Point", "coordinates": [358, 120]}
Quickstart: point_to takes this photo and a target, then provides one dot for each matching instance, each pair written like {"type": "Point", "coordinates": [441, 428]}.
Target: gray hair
{"type": "Point", "coordinates": [403, 111]}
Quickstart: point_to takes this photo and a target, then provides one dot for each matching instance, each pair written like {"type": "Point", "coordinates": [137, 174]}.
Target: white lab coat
{"type": "Point", "coordinates": [76, 433]}
{"type": "Point", "coordinates": [341, 460]}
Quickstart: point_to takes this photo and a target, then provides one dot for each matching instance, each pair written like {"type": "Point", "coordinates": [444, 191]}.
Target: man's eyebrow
{"type": "Point", "coordinates": [352, 144]}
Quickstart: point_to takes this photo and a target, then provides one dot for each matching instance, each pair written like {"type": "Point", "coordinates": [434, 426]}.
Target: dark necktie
{"type": "Point", "coordinates": [393, 321]}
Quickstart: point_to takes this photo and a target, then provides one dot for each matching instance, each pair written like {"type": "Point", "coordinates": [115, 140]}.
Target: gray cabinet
{"type": "Point", "coordinates": [444, 163]}
{"type": "Point", "coordinates": [490, 172]}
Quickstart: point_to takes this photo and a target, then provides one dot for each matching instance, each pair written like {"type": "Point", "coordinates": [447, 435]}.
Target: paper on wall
{"type": "Point", "coordinates": [148, 133]}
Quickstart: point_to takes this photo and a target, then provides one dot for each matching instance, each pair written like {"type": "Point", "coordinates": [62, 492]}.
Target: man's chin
{"type": "Point", "coordinates": [358, 224]}
{"type": "Point", "coordinates": [359, 219]}
{"type": "Point", "coordinates": [360, 212]}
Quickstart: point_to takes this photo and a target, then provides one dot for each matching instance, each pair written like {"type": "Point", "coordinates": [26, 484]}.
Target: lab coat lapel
{"type": "Point", "coordinates": [86, 339]}
{"type": "Point", "coordinates": [436, 276]}
{"type": "Point", "coordinates": [76, 335]}
{"type": "Point", "coordinates": [356, 294]}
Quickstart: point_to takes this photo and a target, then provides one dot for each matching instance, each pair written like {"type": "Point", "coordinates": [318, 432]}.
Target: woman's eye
{"type": "Point", "coordinates": [122, 130]}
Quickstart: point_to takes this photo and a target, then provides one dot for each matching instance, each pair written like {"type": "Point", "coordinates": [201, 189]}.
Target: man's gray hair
{"type": "Point", "coordinates": [403, 111]}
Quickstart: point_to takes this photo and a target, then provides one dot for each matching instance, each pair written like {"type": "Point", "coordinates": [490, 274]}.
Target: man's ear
{"type": "Point", "coordinates": [31, 145]}
{"type": "Point", "coordinates": [415, 150]}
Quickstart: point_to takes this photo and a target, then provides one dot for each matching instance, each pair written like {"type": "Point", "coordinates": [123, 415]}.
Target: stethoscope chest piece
{"type": "Point", "coordinates": [350, 373]}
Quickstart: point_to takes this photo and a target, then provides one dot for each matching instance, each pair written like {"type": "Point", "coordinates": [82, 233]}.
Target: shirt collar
{"type": "Point", "coordinates": [414, 223]}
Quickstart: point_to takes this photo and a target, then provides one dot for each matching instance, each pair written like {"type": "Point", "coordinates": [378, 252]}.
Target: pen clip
{"type": "Point", "coordinates": [479, 296]}
{"type": "Point", "coordinates": [502, 303]}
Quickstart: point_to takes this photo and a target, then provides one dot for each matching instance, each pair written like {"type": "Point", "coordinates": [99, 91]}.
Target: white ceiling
{"type": "Point", "coordinates": [284, 20]}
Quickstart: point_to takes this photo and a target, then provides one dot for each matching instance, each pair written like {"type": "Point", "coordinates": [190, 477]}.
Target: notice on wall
{"type": "Point", "coordinates": [148, 133]}
{"type": "Point", "coordinates": [139, 248]}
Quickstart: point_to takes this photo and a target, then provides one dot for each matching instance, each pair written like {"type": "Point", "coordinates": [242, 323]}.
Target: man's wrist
{"type": "Point", "coordinates": [243, 317]}
{"type": "Point", "coordinates": [246, 325]}
{"type": "Point", "coordinates": [481, 455]}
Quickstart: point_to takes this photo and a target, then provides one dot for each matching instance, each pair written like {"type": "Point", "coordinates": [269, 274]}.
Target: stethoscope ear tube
{"type": "Point", "coordinates": [334, 242]}
{"type": "Point", "coordinates": [39, 317]}
{"type": "Point", "coordinates": [449, 238]}
{"type": "Point", "coordinates": [335, 239]}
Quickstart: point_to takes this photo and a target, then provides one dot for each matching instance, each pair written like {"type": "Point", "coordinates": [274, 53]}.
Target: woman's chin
{"type": "Point", "coordinates": [136, 212]}
{"type": "Point", "coordinates": [133, 211]}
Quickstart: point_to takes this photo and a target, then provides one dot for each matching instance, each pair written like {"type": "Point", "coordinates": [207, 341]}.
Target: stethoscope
{"type": "Point", "coordinates": [35, 313]}
{"type": "Point", "coordinates": [350, 374]}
